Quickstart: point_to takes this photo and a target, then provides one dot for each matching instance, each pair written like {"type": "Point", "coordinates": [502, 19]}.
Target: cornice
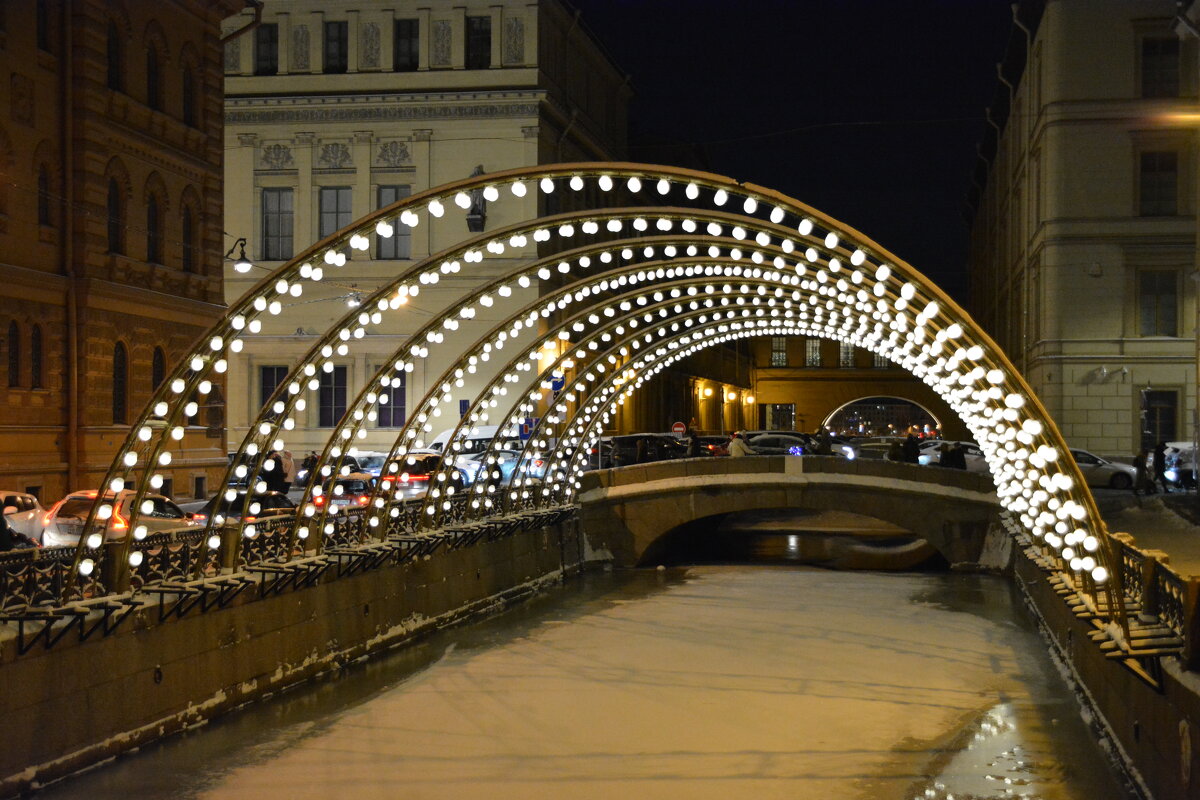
{"type": "Point", "coordinates": [381, 107]}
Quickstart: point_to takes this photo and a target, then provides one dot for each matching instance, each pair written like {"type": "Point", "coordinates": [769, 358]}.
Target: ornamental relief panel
{"type": "Point", "coordinates": [335, 156]}
{"type": "Point", "coordinates": [277, 156]}
{"type": "Point", "coordinates": [368, 56]}
{"type": "Point", "coordinates": [514, 40]}
{"type": "Point", "coordinates": [393, 154]}
{"type": "Point", "coordinates": [299, 48]}
{"type": "Point", "coordinates": [439, 55]}
{"type": "Point", "coordinates": [232, 56]}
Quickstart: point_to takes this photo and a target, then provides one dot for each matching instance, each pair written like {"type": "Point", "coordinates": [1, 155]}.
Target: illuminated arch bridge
{"type": "Point", "coordinates": [655, 264]}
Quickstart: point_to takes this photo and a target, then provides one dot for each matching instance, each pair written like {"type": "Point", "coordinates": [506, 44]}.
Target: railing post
{"type": "Point", "coordinates": [1191, 625]}
{"type": "Point", "coordinates": [230, 541]}
{"type": "Point", "coordinates": [114, 570]}
{"type": "Point", "coordinates": [1150, 601]}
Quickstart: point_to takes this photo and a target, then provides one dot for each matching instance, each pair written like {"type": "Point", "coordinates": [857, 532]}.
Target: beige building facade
{"type": "Point", "coordinates": [1083, 242]}
{"type": "Point", "coordinates": [335, 109]}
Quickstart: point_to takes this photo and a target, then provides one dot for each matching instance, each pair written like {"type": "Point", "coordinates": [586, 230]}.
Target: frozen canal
{"type": "Point", "coordinates": [712, 682]}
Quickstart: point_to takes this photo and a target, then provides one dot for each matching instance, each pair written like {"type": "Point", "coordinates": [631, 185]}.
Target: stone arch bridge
{"type": "Point", "coordinates": [628, 509]}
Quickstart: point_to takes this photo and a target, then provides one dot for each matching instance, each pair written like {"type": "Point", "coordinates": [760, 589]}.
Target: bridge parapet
{"type": "Point", "coordinates": [626, 509]}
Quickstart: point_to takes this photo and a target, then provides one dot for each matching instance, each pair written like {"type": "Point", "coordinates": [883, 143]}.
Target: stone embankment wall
{"type": "Point", "coordinates": [79, 702]}
{"type": "Point", "coordinates": [1156, 729]}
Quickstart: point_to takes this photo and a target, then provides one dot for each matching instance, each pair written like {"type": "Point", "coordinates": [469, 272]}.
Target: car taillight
{"type": "Point", "coordinates": [197, 517]}
{"type": "Point", "coordinates": [538, 462]}
{"type": "Point", "coordinates": [363, 500]}
{"type": "Point", "coordinates": [119, 522]}
{"type": "Point", "coordinates": [319, 500]}
{"type": "Point", "coordinates": [249, 519]}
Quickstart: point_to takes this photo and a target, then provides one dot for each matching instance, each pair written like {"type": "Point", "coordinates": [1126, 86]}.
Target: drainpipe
{"type": "Point", "coordinates": [562, 137]}
{"type": "Point", "coordinates": [249, 26]}
{"type": "Point", "coordinates": [66, 123]}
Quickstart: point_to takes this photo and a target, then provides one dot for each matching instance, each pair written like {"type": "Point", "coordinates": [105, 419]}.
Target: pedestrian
{"type": "Point", "coordinates": [824, 444]}
{"type": "Point", "coordinates": [1141, 481]}
{"type": "Point", "coordinates": [1160, 466]}
{"type": "Point", "coordinates": [640, 452]}
{"type": "Point", "coordinates": [289, 471]}
{"type": "Point", "coordinates": [895, 451]}
{"type": "Point", "coordinates": [912, 450]}
{"type": "Point", "coordinates": [738, 446]}
{"type": "Point", "coordinates": [955, 457]}
{"type": "Point", "coordinates": [693, 445]}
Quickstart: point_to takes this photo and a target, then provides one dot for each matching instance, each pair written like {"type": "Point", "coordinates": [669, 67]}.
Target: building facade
{"type": "Point", "coordinates": [1082, 262]}
{"type": "Point", "coordinates": [110, 221]}
{"type": "Point", "coordinates": [335, 109]}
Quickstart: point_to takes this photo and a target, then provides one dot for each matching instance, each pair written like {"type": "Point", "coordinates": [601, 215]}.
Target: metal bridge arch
{"type": "Point", "coordinates": [825, 279]}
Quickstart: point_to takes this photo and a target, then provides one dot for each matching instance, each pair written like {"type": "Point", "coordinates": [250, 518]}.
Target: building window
{"type": "Point", "coordinates": [188, 96]}
{"type": "Point", "coordinates": [845, 354]}
{"type": "Point", "coordinates": [479, 42]}
{"type": "Point", "coordinates": [398, 245]}
{"type": "Point", "coordinates": [116, 222]}
{"type": "Point", "coordinates": [779, 351]}
{"type": "Point", "coordinates": [1160, 67]}
{"type": "Point", "coordinates": [391, 412]}
{"type": "Point", "coordinates": [266, 49]}
{"type": "Point", "coordinates": [269, 378]}
{"type": "Point", "coordinates": [1158, 302]}
{"type": "Point", "coordinates": [153, 231]}
{"type": "Point", "coordinates": [336, 50]}
{"type": "Point", "coordinates": [43, 182]}
{"type": "Point", "coordinates": [14, 355]}
{"type": "Point", "coordinates": [276, 224]}
{"type": "Point", "coordinates": [120, 376]}
{"type": "Point", "coordinates": [115, 81]}
{"type": "Point", "coordinates": [331, 397]}
{"type": "Point", "coordinates": [1158, 180]}
{"type": "Point", "coordinates": [334, 209]}
{"type": "Point", "coordinates": [812, 352]}
{"type": "Point", "coordinates": [43, 27]}
{"type": "Point", "coordinates": [881, 361]}
{"type": "Point", "coordinates": [158, 369]}
{"type": "Point", "coordinates": [189, 240]}
{"type": "Point", "coordinates": [406, 44]}
{"type": "Point", "coordinates": [153, 80]}
{"type": "Point", "coordinates": [35, 357]}
{"type": "Point", "coordinates": [778, 416]}
{"type": "Point", "coordinates": [1160, 410]}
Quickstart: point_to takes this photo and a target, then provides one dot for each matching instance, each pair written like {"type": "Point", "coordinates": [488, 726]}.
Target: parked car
{"type": "Point", "coordinates": [416, 470]}
{"type": "Point", "coordinates": [23, 512]}
{"type": "Point", "coordinates": [64, 521]}
{"type": "Point", "coordinates": [1103, 473]}
{"type": "Point", "coordinates": [353, 490]}
{"type": "Point", "coordinates": [777, 444]}
{"type": "Point", "coordinates": [931, 453]}
{"type": "Point", "coordinates": [260, 506]}
{"type": "Point", "coordinates": [654, 447]}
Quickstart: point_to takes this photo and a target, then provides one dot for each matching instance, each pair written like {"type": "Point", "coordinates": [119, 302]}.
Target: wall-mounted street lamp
{"type": "Point", "coordinates": [241, 263]}
{"type": "Point", "coordinates": [708, 391]}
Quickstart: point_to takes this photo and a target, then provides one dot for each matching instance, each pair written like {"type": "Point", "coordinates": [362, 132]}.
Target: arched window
{"type": "Point", "coordinates": [153, 231]}
{"type": "Point", "coordinates": [189, 241]}
{"type": "Point", "coordinates": [189, 97]}
{"type": "Point", "coordinates": [14, 354]}
{"type": "Point", "coordinates": [43, 202]}
{"type": "Point", "coordinates": [120, 389]}
{"type": "Point", "coordinates": [115, 81]}
{"type": "Point", "coordinates": [153, 82]}
{"type": "Point", "coordinates": [116, 222]}
{"type": "Point", "coordinates": [158, 369]}
{"type": "Point", "coordinates": [35, 357]}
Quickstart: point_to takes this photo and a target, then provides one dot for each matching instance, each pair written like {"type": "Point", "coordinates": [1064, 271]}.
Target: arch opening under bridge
{"type": "Point", "coordinates": [665, 262]}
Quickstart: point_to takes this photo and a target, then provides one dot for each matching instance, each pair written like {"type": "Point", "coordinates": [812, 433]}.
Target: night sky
{"type": "Point", "coordinates": [869, 110]}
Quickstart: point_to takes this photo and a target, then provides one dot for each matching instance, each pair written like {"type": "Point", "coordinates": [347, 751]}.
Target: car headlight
{"type": "Point", "coordinates": [1172, 475]}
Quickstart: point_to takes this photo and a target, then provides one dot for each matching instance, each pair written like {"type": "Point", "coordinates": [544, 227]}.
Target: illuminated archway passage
{"type": "Point", "coordinates": [651, 265]}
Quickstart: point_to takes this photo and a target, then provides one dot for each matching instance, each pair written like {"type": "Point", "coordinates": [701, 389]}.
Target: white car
{"type": "Point", "coordinates": [23, 513]}
{"type": "Point", "coordinates": [1103, 473]}
{"type": "Point", "coordinates": [64, 521]}
{"type": "Point", "coordinates": [931, 453]}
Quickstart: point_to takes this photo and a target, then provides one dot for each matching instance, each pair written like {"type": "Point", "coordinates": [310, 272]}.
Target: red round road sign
{"type": "Point", "coordinates": [679, 429]}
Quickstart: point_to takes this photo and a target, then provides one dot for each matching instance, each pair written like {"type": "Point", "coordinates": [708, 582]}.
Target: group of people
{"type": "Point", "coordinates": [1144, 481]}
{"type": "Point", "coordinates": [283, 472]}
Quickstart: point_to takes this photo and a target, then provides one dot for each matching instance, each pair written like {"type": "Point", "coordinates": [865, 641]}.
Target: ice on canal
{"type": "Point", "coordinates": [711, 682]}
